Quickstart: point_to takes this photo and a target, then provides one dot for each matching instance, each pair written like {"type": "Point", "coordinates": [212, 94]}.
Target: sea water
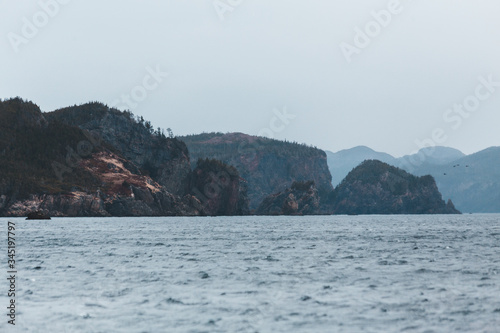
{"type": "Point", "coordinates": [255, 274]}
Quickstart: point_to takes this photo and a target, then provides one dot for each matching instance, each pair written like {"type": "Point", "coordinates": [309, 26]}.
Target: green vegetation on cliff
{"type": "Point", "coordinates": [33, 152]}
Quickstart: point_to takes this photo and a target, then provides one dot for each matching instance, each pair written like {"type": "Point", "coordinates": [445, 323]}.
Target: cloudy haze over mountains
{"type": "Point", "coordinates": [386, 74]}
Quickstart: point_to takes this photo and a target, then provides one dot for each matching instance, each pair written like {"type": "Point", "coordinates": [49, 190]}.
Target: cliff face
{"type": "Point", "coordinates": [164, 159]}
{"type": "Point", "coordinates": [300, 199]}
{"type": "Point", "coordinates": [219, 188]}
{"type": "Point", "coordinates": [269, 166]}
{"type": "Point", "coordinates": [375, 187]}
{"type": "Point", "coordinates": [46, 165]}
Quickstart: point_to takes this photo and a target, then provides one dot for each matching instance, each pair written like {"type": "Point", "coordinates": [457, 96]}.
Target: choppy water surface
{"type": "Point", "coordinates": [258, 274]}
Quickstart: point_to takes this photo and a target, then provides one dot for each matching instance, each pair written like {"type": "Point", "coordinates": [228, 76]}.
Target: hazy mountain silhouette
{"type": "Point", "coordinates": [471, 181]}
{"type": "Point", "coordinates": [342, 162]}
{"type": "Point", "coordinates": [430, 156]}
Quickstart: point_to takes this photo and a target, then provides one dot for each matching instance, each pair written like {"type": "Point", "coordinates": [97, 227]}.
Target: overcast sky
{"type": "Point", "coordinates": [234, 65]}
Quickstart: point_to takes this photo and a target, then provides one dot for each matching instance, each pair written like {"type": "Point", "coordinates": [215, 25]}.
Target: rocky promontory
{"type": "Point", "coordinates": [300, 199]}
{"type": "Point", "coordinates": [375, 187]}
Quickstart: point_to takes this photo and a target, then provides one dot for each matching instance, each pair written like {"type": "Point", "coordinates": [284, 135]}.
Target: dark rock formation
{"type": "Point", "coordinates": [269, 166]}
{"type": "Point", "coordinates": [219, 188]}
{"type": "Point", "coordinates": [37, 215]}
{"type": "Point", "coordinates": [375, 187]}
{"type": "Point", "coordinates": [300, 199]}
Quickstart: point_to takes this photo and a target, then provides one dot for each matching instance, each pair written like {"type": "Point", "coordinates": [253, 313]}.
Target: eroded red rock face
{"type": "Point", "coordinates": [115, 177]}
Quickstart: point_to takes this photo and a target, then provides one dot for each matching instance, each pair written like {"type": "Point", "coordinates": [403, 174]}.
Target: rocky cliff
{"type": "Point", "coordinates": [300, 199]}
{"type": "Point", "coordinates": [219, 188]}
{"type": "Point", "coordinates": [269, 166]}
{"type": "Point", "coordinates": [375, 187]}
{"type": "Point", "coordinates": [164, 159]}
{"type": "Point", "coordinates": [121, 192]}
{"type": "Point", "coordinates": [92, 161]}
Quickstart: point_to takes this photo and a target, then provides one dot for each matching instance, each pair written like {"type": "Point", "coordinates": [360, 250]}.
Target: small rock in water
{"type": "Point", "coordinates": [204, 275]}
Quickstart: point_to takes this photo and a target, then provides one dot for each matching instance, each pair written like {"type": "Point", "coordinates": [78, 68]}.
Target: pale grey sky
{"type": "Point", "coordinates": [264, 57]}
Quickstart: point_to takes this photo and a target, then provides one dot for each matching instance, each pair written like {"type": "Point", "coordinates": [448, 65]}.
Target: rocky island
{"type": "Point", "coordinates": [375, 187]}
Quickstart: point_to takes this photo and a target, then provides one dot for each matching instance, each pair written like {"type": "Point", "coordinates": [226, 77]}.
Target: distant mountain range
{"type": "Point", "coordinates": [472, 182]}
